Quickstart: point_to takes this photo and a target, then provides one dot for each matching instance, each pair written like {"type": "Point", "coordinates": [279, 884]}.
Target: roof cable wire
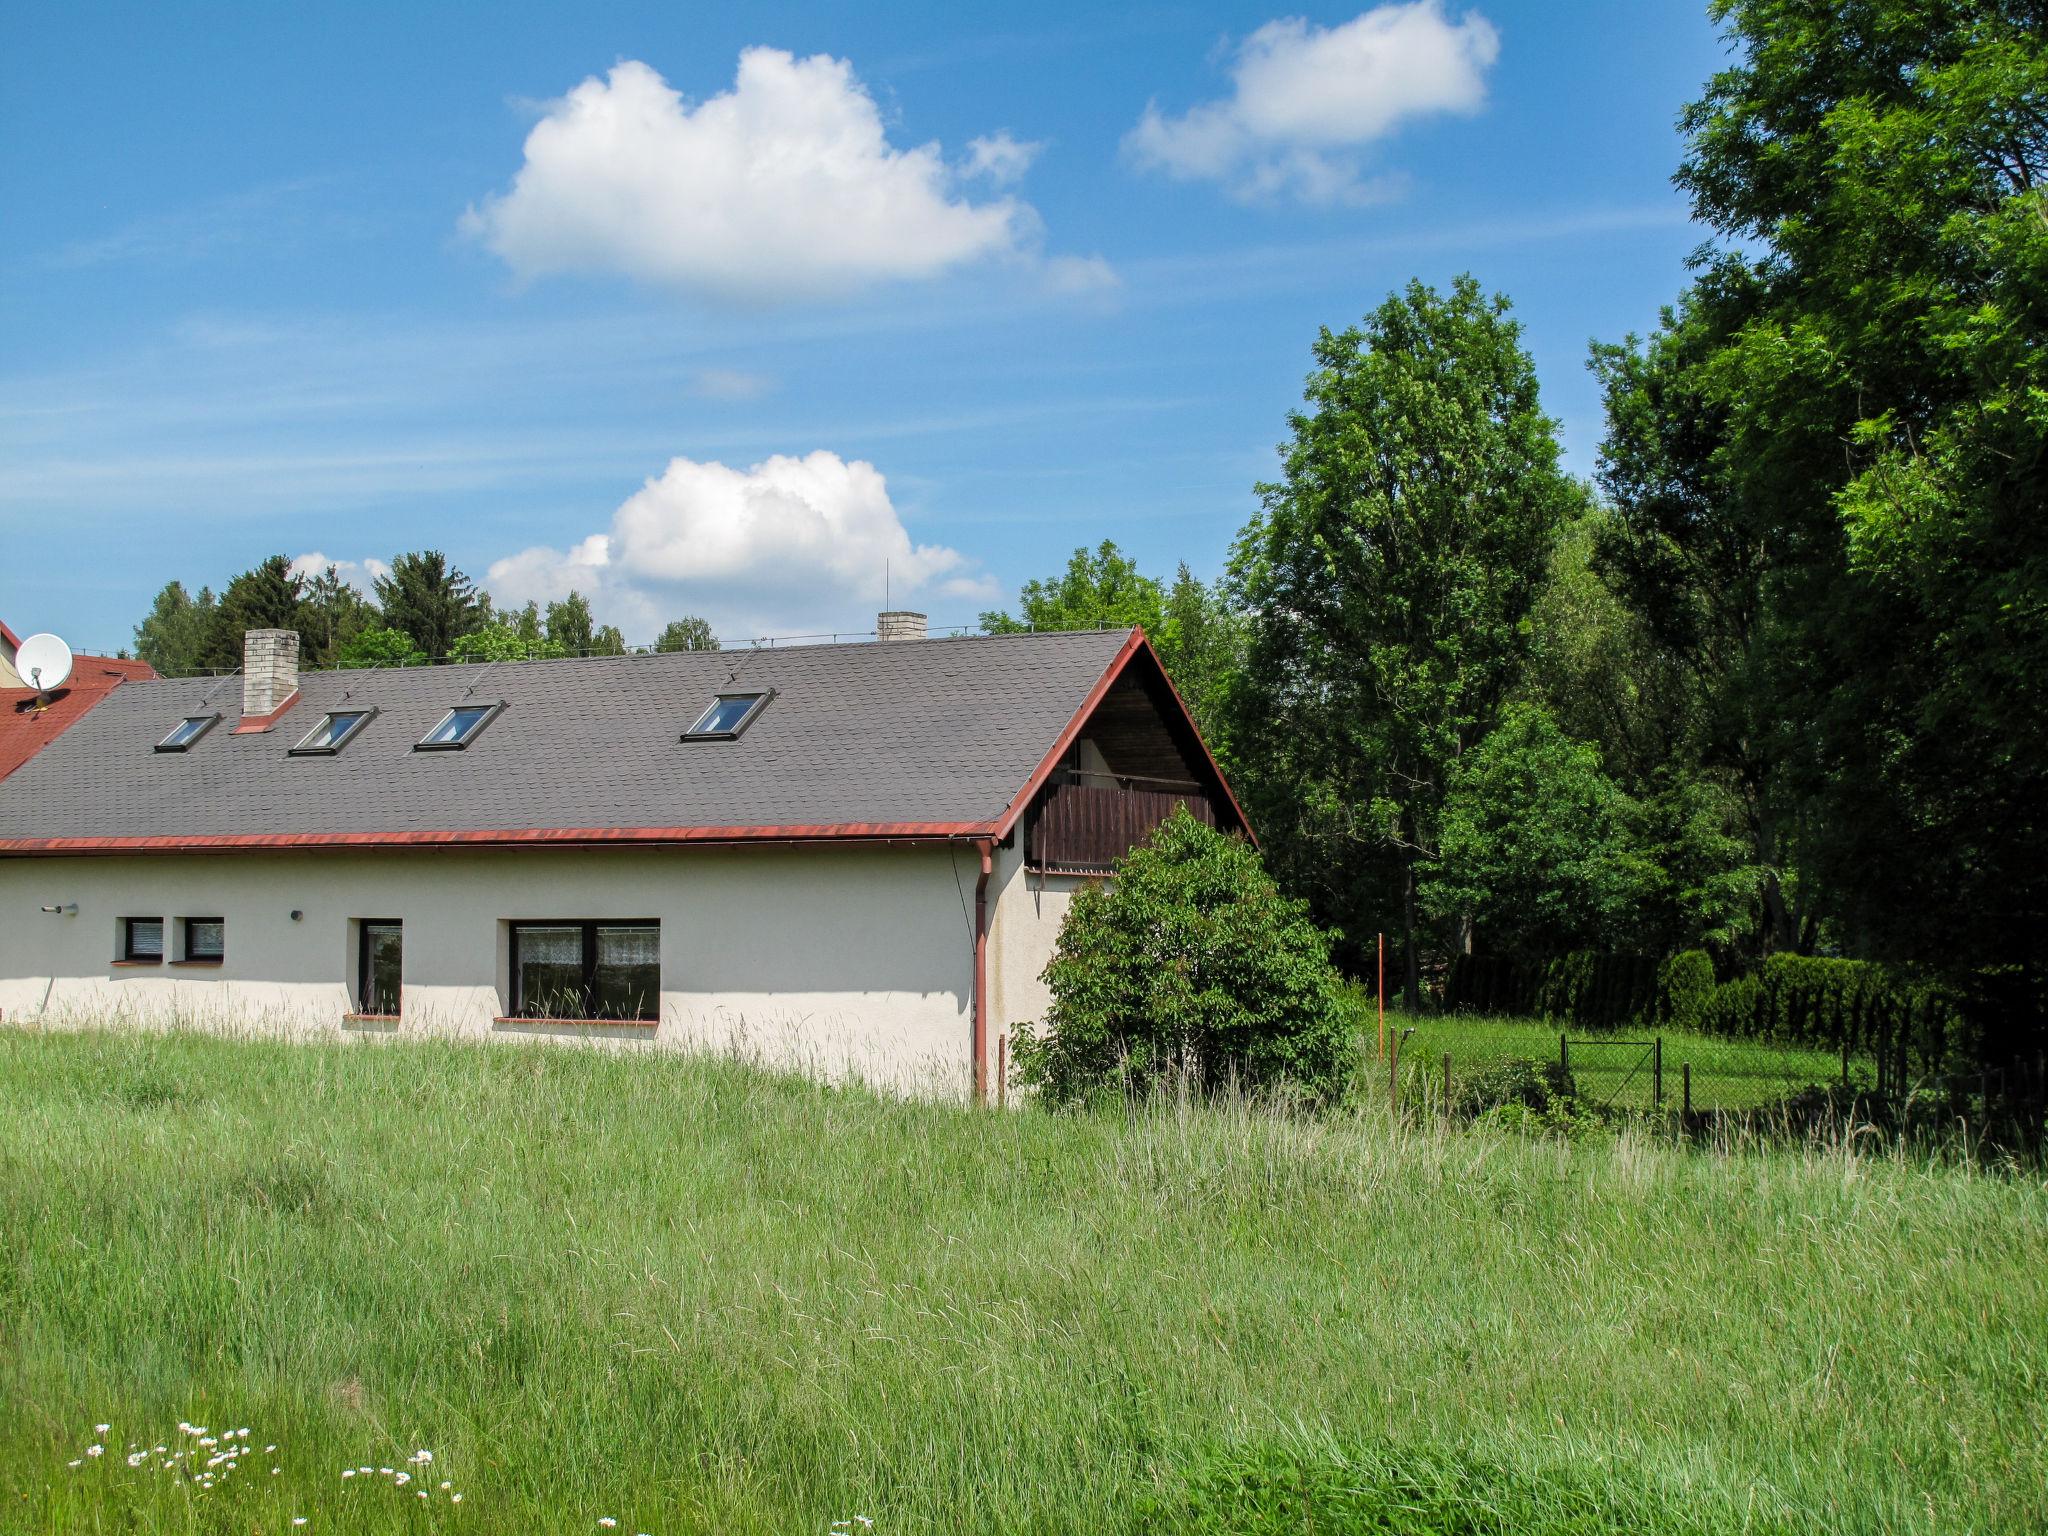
{"type": "Point", "coordinates": [207, 697]}
{"type": "Point", "coordinates": [471, 692]}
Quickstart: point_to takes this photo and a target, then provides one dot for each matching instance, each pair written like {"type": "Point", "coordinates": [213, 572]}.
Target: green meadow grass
{"type": "Point", "coordinates": [1614, 1069]}
{"type": "Point", "coordinates": [689, 1296]}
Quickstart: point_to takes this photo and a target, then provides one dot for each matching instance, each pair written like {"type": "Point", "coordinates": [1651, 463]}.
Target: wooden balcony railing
{"type": "Point", "coordinates": [1084, 828]}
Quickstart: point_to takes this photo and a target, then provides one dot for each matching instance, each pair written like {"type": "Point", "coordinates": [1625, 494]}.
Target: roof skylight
{"type": "Point", "coordinates": [728, 714]}
{"type": "Point", "coordinates": [337, 728]}
{"type": "Point", "coordinates": [187, 731]}
{"type": "Point", "coordinates": [458, 728]}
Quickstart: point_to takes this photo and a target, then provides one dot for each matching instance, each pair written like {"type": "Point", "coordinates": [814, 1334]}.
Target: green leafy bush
{"type": "Point", "coordinates": [1189, 962]}
{"type": "Point", "coordinates": [1685, 987]}
{"type": "Point", "coordinates": [1518, 1081]}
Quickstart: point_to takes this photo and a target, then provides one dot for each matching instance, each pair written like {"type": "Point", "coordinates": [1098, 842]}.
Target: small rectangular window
{"type": "Point", "coordinates": [336, 730]}
{"type": "Point", "coordinates": [727, 715]}
{"type": "Point", "coordinates": [458, 728]}
{"type": "Point", "coordinates": [382, 965]}
{"type": "Point", "coordinates": [205, 939]}
{"type": "Point", "coordinates": [587, 970]}
{"type": "Point", "coordinates": [187, 731]}
{"type": "Point", "coordinates": [142, 940]}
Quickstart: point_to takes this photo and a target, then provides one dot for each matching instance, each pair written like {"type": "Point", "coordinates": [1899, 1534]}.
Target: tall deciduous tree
{"type": "Point", "coordinates": [1389, 580]}
{"type": "Point", "coordinates": [570, 626]}
{"type": "Point", "coordinates": [1201, 640]}
{"type": "Point", "coordinates": [1855, 399]}
{"type": "Point", "coordinates": [177, 635]}
{"type": "Point", "coordinates": [430, 600]}
{"type": "Point", "coordinates": [1100, 589]}
{"type": "Point", "coordinates": [687, 634]}
{"type": "Point", "coordinates": [1537, 844]}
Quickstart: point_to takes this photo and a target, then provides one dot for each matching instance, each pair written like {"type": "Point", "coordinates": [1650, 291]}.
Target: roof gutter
{"type": "Point", "coordinates": [531, 837]}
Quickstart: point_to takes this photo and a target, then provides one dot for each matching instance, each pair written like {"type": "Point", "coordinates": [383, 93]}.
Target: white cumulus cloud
{"type": "Point", "coordinates": [999, 157]}
{"type": "Point", "coordinates": [785, 186]}
{"type": "Point", "coordinates": [360, 574]}
{"type": "Point", "coordinates": [1307, 99]}
{"type": "Point", "coordinates": [788, 545]}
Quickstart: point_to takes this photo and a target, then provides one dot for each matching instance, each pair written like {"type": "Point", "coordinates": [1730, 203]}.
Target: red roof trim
{"type": "Point", "coordinates": [253, 725]}
{"type": "Point", "coordinates": [1137, 645]}
{"type": "Point", "coordinates": [13, 640]}
{"type": "Point", "coordinates": [550, 837]}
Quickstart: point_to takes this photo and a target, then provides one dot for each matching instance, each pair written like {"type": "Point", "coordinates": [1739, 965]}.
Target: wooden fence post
{"type": "Point", "coordinates": [1657, 1072]}
{"type": "Point", "coordinates": [1564, 1055]}
{"type": "Point", "coordinates": [1685, 1072]}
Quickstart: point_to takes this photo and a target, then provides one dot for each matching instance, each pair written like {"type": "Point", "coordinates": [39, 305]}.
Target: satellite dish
{"type": "Point", "coordinates": [43, 661]}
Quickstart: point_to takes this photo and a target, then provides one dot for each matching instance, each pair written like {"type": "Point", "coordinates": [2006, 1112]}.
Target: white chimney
{"type": "Point", "coordinates": [899, 624]}
{"type": "Point", "coordinates": [270, 669]}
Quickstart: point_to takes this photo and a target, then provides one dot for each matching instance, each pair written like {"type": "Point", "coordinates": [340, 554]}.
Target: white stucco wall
{"type": "Point", "coordinates": [1027, 908]}
{"type": "Point", "coordinates": [837, 960]}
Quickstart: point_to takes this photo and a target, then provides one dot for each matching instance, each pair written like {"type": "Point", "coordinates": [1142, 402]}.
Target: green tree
{"type": "Point", "coordinates": [378, 646]}
{"type": "Point", "coordinates": [177, 635]}
{"type": "Point", "coordinates": [570, 626]}
{"type": "Point", "coordinates": [687, 634]}
{"type": "Point", "coordinates": [515, 636]}
{"type": "Point", "coordinates": [1389, 581]}
{"type": "Point", "coordinates": [331, 613]}
{"type": "Point", "coordinates": [432, 601]}
{"type": "Point", "coordinates": [607, 642]}
{"type": "Point", "coordinates": [1201, 639]}
{"type": "Point", "coordinates": [1100, 589]}
{"type": "Point", "coordinates": [1189, 964]}
{"type": "Point", "coordinates": [1859, 388]}
{"type": "Point", "coordinates": [268, 596]}
{"type": "Point", "coordinates": [1537, 845]}
{"type": "Point", "coordinates": [1599, 671]}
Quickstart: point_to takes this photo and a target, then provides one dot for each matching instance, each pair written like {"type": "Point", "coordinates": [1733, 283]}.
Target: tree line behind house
{"type": "Point", "coordinates": [1774, 681]}
{"type": "Point", "coordinates": [421, 610]}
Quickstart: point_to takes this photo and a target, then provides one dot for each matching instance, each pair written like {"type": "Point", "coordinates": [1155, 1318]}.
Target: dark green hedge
{"type": "Point", "coordinates": [1803, 1000]}
{"type": "Point", "coordinates": [1583, 990]}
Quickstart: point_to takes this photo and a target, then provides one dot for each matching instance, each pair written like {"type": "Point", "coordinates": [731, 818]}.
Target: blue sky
{"type": "Point", "coordinates": [946, 290]}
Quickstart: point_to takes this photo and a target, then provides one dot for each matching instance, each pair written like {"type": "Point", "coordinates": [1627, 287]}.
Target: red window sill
{"type": "Point", "coordinates": [130, 965]}
{"type": "Point", "coordinates": [507, 1018]}
{"type": "Point", "coordinates": [197, 965]}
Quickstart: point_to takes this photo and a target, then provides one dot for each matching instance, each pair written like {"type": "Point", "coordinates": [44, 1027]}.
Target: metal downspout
{"type": "Point", "coordinates": [987, 850]}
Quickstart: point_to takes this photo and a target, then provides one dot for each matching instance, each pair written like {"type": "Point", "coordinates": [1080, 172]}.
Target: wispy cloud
{"type": "Point", "coordinates": [277, 213]}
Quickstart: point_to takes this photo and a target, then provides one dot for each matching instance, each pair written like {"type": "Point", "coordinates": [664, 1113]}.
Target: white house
{"type": "Point", "coordinates": [848, 858]}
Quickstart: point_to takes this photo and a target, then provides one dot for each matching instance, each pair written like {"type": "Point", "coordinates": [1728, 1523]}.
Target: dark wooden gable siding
{"type": "Point", "coordinates": [1084, 822]}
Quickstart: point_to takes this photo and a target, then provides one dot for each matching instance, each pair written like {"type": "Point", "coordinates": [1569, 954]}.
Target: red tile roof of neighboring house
{"type": "Point", "coordinates": [26, 726]}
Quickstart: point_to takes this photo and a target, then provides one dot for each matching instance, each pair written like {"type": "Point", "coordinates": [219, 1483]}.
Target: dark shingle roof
{"type": "Point", "coordinates": [30, 721]}
{"type": "Point", "coordinates": [936, 733]}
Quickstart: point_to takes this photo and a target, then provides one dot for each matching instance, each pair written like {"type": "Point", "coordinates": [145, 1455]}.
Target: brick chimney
{"type": "Point", "coordinates": [899, 624]}
{"type": "Point", "coordinates": [270, 669]}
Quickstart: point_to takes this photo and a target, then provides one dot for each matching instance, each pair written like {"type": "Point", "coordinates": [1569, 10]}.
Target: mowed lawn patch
{"type": "Point", "coordinates": [1614, 1067]}
{"type": "Point", "coordinates": [692, 1297]}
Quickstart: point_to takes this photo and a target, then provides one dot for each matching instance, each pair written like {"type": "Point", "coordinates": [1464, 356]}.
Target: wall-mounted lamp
{"type": "Point", "coordinates": [69, 909]}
